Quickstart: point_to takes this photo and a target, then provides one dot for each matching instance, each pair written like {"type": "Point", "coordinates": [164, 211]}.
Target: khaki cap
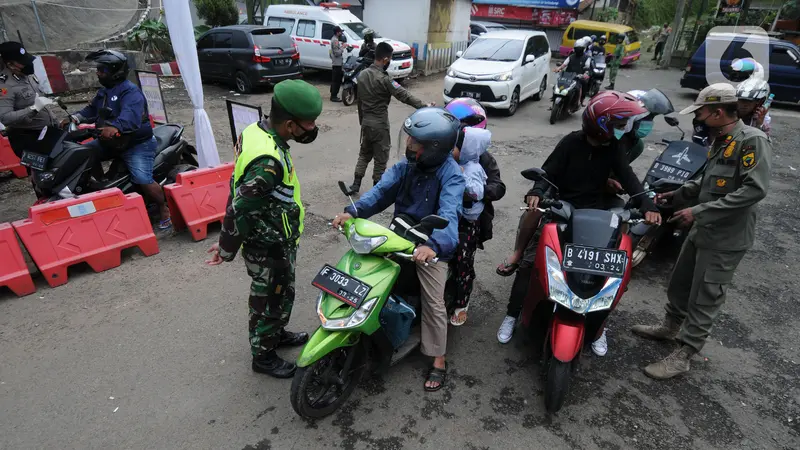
{"type": "Point", "coordinates": [715, 94]}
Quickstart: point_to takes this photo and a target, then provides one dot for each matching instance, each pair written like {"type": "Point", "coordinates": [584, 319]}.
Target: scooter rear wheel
{"type": "Point", "coordinates": [556, 385]}
{"type": "Point", "coordinates": [321, 388]}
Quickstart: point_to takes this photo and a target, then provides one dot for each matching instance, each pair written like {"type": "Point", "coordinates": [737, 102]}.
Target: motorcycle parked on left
{"type": "Point", "coordinates": [352, 67]}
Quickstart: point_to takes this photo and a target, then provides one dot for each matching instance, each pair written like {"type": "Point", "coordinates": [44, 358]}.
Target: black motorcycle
{"type": "Point", "coordinates": [597, 75]}
{"type": "Point", "coordinates": [352, 67]}
{"type": "Point", "coordinates": [566, 96]}
{"type": "Point", "coordinates": [65, 166]}
{"type": "Point", "coordinates": [679, 162]}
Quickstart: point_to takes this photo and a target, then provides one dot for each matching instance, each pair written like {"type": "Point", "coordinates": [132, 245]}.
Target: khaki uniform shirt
{"type": "Point", "coordinates": [735, 179]}
{"type": "Point", "coordinates": [375, 90]}
{"type": "Point", "coordinates": [17, 94]}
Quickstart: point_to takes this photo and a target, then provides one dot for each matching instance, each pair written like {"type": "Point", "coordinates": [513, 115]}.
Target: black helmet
{"type": "Point", "coordinates": [113, 63]}
{"type": "Point", "coordinates": [602, 39]}
{"type": "Point", "coordinates": [435, 129]}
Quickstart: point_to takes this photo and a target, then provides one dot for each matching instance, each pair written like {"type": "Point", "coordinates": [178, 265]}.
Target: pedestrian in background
{"type": "Point", "coordinates": [661, 41]}
{"type": "Point", "coordinates": [264, 218]}
{"type": "Point", "coordinates": [722, 222]}
{"type": "Point", "coordinates": [337, 60]}
{"type": "Point", "coordinates": [616, 60]}
{"type": "Point", "coordinates": [375, 90]}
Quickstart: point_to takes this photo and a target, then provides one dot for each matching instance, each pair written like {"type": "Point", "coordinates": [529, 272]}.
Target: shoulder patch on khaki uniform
{"type": "Point", "coordinates": [749, 159]}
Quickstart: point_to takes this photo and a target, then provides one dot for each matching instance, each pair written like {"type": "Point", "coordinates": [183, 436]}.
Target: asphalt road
{"type": "Point", "coordinates": [154, 354]}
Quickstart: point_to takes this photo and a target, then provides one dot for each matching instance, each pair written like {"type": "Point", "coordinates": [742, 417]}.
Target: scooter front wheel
{"type": "Point", "coordinates": [555, 112]}
{"type": "Point", "coordinates": [556, 384]}
{"type": "Point", "coordinates": [348, 95]}
{"type": "Point", "coordinates": [321, 388]}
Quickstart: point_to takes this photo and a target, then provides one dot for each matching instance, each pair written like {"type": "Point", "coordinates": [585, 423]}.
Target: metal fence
{"type": "Point", "coordinates": [438, 57]}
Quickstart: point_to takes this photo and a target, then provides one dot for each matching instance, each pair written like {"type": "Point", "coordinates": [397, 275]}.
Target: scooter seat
{"type": "Point", "coordinates": [166, 135]}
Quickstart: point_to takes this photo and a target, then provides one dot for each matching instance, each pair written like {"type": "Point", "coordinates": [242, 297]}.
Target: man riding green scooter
{"type": "Point", "coordinates": [427, 182]}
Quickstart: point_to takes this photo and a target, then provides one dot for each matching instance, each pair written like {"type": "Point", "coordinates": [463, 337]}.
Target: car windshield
{"type": "Point", "coordinates": [494, 50]}
{"type": "Point", "coordinates": [356, 30]}
{"type": "Point", "coordinates": [632, 36]}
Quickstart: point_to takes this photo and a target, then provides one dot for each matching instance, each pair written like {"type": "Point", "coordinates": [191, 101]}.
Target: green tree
{"type": "Point", "coordinates": [217, 13]}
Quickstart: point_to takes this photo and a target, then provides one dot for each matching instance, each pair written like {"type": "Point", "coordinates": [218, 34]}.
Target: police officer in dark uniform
{"type": "Point", "coordinates": [375, 90]}
{"type": "Point", "coordinates": [723, 222]}
{"type": "Point", "coordinates": [20, 112]}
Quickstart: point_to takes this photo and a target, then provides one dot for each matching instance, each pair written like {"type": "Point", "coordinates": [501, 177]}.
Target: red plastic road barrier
{"type": "Point", "coordinates": [198, 198]}
{"type": "Point", "coordinates": [9, 161]}
{"type": "Point", "coordinates": [13, 270]}
{"type": "Point", "coordinates": [91, 228]}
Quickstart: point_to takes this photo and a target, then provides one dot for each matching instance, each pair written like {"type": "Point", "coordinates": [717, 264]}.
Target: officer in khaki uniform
{"type": "Point", "coordinates": [20, 112]}
{"type": "Point", "coordinates": [375, 91]}
{"type": "Point", "coordinates": [723, 224]}
{"type": "Point", "coordinates": [264, 218]}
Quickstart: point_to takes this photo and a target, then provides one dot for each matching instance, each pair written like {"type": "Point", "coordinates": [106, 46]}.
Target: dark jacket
{"type": "Point", "coordinates": [418, 194]}
{"type": "Point", "coordinates": [580, 171]}
{"type": "Point", "coordinates": [128, 111]}
{"type": "Point", "coordinates": [495, 190]}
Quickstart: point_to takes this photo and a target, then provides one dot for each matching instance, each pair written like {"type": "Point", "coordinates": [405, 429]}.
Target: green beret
{"type": "Point", "coordinates": [299, 99]}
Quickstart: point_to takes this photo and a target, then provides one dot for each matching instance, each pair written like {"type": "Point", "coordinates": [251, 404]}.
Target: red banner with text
{"type": "Point", "coordinates": [539, 16]}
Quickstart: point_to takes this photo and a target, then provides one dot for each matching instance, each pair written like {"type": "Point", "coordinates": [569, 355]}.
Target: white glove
{"type": "Point", "coordinates": [41, 102]}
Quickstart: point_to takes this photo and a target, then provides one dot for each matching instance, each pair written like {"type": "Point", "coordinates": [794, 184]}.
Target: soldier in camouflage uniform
{"type": "Point", "coordinates": [375, 91]}
{"type": "Point", "coordinates": [265, 218]}
{"type": "Point", "coordinates": [723, 223]}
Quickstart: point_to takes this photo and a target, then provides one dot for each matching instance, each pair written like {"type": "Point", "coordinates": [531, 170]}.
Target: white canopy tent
{"type": "Point", "coordinates": [181, 33]}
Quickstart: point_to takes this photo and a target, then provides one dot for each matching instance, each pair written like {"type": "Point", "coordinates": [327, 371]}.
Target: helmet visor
{"type": "Point", "coordinates": [407, 147]}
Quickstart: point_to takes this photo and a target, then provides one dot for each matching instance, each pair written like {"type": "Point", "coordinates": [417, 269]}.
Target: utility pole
{"type": "Point", "coordinates": [671, 41]}
{"type": "Point", "coordinates": [591, 16]}
{"type": "Point", "coordinates": [39, 21]}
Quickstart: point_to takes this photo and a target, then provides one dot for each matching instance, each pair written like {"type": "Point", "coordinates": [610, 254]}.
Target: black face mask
{"type": "Point", "coordinates": [307, 137]}
{"type": "Point", "coordinates": [386, 66]}
{"type": "Point", "coordinates": [28, 70]}
{"type": "Point", "coordinates": [702, 132]}
{"type": "Point", "coordinates": [411, 156]}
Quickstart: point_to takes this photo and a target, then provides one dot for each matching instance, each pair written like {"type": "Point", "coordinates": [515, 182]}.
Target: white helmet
{"type": "Point", "coordinates": [754, 88]}
{"type": "Point", "coordinates": [583, 42]}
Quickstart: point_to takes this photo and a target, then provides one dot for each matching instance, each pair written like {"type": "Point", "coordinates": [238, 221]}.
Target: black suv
{"type": "Point", "coordinates": [248, 56]}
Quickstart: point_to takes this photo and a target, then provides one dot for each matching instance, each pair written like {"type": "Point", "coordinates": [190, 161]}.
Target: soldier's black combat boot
{"type": "Point", "coordinates": [289, 339]}
{"type": "Point", "coordinates": [272, 364]}
{"type": "Point", "coordinates": [610, 87]}
{"type": "Point", "coordinates": [356, 186]}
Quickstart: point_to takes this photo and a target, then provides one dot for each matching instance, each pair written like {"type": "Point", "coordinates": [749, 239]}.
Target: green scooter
{"type": "Point", "coordinates": [354, 336]}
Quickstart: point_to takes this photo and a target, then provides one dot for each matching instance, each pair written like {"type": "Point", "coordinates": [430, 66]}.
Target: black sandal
{"type": "Point", "coordinates": [436, 375]}
{"type": "Point", "coordinates": [506, 270]}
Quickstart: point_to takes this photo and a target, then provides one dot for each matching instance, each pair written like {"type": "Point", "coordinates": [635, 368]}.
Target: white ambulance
{"type": "Point", "coordinates": [312, 27]}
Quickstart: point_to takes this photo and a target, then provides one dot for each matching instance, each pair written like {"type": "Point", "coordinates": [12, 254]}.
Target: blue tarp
{"type": "Point", "coordinates": [561, 4]}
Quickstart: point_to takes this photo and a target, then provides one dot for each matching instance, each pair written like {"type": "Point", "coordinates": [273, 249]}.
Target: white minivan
{"type": "Point", "coordinates": [312, 27]}
{"type": "Point", "coordinates": [500, 69]}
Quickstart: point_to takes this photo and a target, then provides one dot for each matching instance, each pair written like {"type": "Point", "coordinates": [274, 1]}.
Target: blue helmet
{"type": "Point", "coordinates": [435, 130]}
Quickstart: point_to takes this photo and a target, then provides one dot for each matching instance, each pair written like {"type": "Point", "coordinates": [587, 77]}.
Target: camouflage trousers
{"type": "Point", "coordinates": [612, 73]}
{"type": "Point", "coordinates": [271, 298]}
{"type": "Point", "coordinates": [375, 143]}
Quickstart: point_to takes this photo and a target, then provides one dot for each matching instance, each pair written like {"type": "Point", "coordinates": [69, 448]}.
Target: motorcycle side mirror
{"type": "Point", "coordinates": [434, 222]}
{"type": "Point", "coordinates": [459, 53]}
{"type": "Point", "coordinates": [671, 121]}
{"type": "Point", "coordinates": [346, 191]}
{"type": "Point", "coordinates": [534, 174]}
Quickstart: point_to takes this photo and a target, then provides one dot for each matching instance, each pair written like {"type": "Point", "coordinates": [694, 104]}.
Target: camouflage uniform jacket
{"type": "Point", "coordinates": [254, 219]}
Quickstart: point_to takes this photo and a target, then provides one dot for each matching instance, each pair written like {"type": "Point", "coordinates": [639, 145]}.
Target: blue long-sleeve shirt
{"type": "Point", "coordinates": [418, 194]}
{"type": "Point", "coordinates": [128, 110]}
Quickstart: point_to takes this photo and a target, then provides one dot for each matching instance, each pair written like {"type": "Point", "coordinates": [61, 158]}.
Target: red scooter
{"type": "Point", "coordinates": [582, 267]}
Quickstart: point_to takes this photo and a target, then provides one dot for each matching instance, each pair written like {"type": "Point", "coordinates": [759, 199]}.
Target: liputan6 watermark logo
{"type": "Point", "coordinates": [726, 44]}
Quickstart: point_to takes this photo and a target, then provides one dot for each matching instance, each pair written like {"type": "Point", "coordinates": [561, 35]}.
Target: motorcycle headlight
{"type": "Point", "coordinates": [559, 291]}
{"type": "Point", "coordinates": [364, 245]}
{"type": "Point", "coordinates": [598, 70]}
{"type": "Point", "coordinates": [503, 76]}
{"type": "Point", "coordinates": [563, 295]}
{"type": "Point", "coordinates": [357, 318]}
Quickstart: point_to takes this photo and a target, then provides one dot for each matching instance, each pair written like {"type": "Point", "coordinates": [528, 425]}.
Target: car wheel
{"type": "Point", "coordinates": [542, 87]}
{"type": "Point", "coordinates": [514, 104]}
{"type": "Point", "coordinates": [243, 85]}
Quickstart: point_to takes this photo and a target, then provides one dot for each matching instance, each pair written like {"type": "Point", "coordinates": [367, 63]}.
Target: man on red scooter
{"type": "Point", "coordinates": [579, 166]}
